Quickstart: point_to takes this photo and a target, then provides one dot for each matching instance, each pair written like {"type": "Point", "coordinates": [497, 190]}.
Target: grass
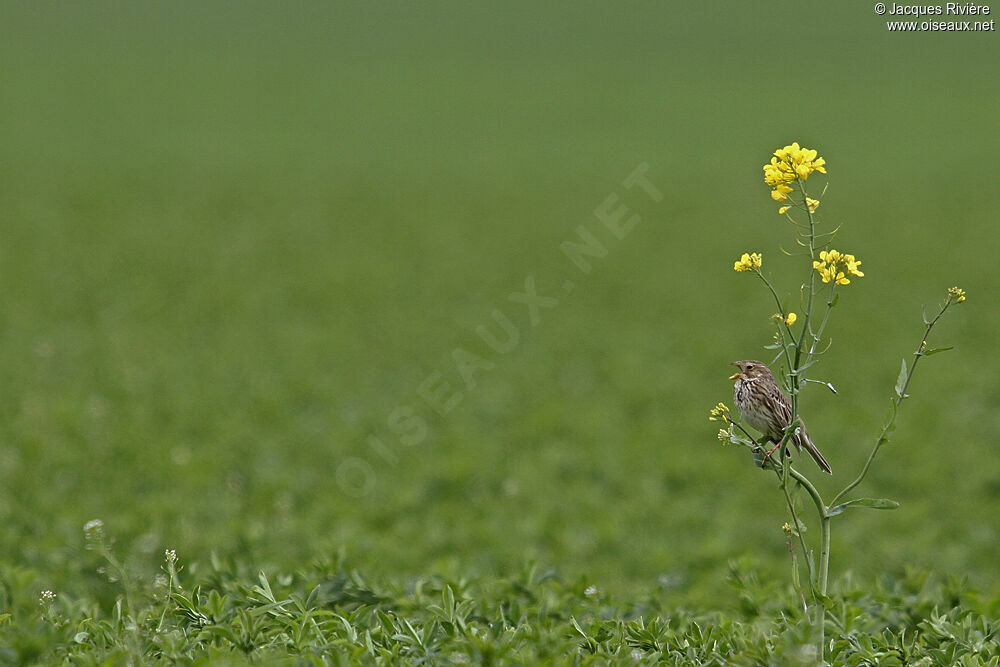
{"type": "Point", "coordinates": [229, 252]}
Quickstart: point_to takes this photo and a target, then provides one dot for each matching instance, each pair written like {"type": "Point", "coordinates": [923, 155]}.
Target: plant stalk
{"type": "Point", "coordinates": [896, 401]}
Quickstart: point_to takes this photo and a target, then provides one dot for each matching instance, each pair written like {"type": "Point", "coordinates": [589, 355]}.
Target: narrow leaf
{"type": "Point", "coordinates": [265, 586]}
{"type": "Point", "coordinates": [928, 353]}
{"type": "Point", "coordinates": [270, 608]}
{"type": "Point", "coordinates": [828, 385]}
{"type": "Point", "coordinates": [351, 632]}
{"type": "Point", "coordinates": [873, 503]}
{"type": "Point", "coordinates": [448, 597]}
{"type": "Point", "coordinates": [804, 366]}
{"type": "Point", "coordinates": [901, 380]}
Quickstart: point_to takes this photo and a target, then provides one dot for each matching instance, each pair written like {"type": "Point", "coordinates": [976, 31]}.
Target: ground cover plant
{"type": "Point", "coordinates": [329, 613]}
{"type": "Point", "coordinates": [234, 242]}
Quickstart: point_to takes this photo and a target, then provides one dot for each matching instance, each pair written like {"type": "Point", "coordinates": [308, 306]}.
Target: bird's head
{"type": "Point", "coordinates": [750, 370]}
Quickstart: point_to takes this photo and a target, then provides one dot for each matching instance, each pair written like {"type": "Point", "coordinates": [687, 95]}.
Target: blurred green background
{"type": "Point", "coordinates": [236, 236]}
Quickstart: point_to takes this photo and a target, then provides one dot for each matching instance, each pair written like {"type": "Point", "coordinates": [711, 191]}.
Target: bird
{"type": "Point", "coordinates": [766, 408]}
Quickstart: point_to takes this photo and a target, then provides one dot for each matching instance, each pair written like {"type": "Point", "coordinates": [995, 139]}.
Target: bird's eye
{"type": "Point", "coordinates": [749, 367]}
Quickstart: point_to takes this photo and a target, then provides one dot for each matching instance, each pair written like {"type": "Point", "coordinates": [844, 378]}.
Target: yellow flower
{"type": "Point", "coordinates": [790, 320]}
{"type": "Point", "coordinates": [720, 413]}
{"type": "Point", "coordinates": [783, 209]}
{"type": "Point", "coordinates": [747, 262]}
{"type": "Point", "coordinates": [852, 266]}
{"type": "Point", "coordinates": [831, 261]}
{"type": "Point", "coordinates": [780, 193]}
{"type": "Point", "coordinates": [783, 153]}
{"type": "Point", "coordinates": [957, 294]}
{"type": "Point", "coordinates": [788, 164]}
{"type": "Point", "coordinates": [723, 435]}
{"type": "Point", "coordinates": [778, 173]}
{"type": "Point", "coordinates": [829, 273]}
{"type": "Point", "coordinates": [830, 256]}
{"type": "Point", "coordinates": [812, 204]}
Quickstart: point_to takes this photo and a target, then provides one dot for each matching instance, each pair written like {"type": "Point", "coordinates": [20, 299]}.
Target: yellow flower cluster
{"type": "Point", "coordinates": [720, 413]}
{"type": "Point", "coordinates": [957, 294]}
{"type": "Point", "coordinates": [748, 262]}
{"type": "Point", "coordinates": [833, 264]}
{"type": "Point", "coordinates": [788, 164]}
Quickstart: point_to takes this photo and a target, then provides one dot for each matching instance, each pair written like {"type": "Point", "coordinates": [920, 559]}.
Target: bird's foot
{"type": "Point", "coordinates": [767, 454]}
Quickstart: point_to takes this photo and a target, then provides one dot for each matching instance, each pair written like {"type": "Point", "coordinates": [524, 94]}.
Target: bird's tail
{"type": "Point", "coordinates": [806, 441]}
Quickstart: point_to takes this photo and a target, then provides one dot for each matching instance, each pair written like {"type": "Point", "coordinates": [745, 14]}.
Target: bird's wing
{"type": "Point", "coordinates": [782, 407]}
{"type": "Point", "coordinates": [784, 410]}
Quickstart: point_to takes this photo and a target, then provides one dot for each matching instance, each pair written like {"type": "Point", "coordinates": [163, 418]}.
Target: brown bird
{"type": "Point", "coordinates": [766, 408]}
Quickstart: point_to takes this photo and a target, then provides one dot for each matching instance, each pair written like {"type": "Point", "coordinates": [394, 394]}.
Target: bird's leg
{"type": "Point", "coordinates": [767, 454]}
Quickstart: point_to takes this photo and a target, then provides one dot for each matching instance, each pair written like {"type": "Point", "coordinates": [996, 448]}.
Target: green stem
{"type": "Point", "coordinates": [817, 579]}
{"type": "Point", "coordinates": [810, 565]}
{"type": "Point", "coordinates": [794, 390]}
{"type": "Point", "coordinates": [824, 554]}
{"type": "Point", "coordinates": [802, 480]}
{"type": "Point", "coordinates": [821, 576]}
{"type": "Point", "coordinates": [810, 489]}
{"type": "Point", "coordinates": [794, 369]}
{"type": "Point", "coordinates": [881, 440]}
{"type": "Point", "coordinates": [781, 311]}
{"type": "Point", "coordinates": [818, 336]}
{"type": "Point", "coordinates": [824, 570]}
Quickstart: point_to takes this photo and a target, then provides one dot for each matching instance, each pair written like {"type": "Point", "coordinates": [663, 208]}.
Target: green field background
{"type": "Point", "coordinates": [235, 236]}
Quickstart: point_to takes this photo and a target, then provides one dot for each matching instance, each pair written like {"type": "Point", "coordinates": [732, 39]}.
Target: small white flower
{"type": "Point", "coordinates": [591, 591]}
{"type": "Point", "coordinates": [46, 598]}
{"type": "Point", "coordinates": [93, 532]}
{"type": "Point", "coordinates": [170, 555]}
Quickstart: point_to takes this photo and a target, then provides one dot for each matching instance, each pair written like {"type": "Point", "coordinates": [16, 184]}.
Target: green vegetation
{"type": "Point", "coordinates": [329, 614]}
{"type": "Point", "coordinates": [234, 242]}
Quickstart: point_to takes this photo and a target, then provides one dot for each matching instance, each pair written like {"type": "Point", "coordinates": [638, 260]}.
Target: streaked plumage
{"type": "Point", "coordinates": [766, 408]}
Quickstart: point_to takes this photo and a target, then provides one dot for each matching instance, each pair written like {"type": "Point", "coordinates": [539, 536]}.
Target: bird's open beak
{"type": "Point", "coordinates": [737, 375]}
